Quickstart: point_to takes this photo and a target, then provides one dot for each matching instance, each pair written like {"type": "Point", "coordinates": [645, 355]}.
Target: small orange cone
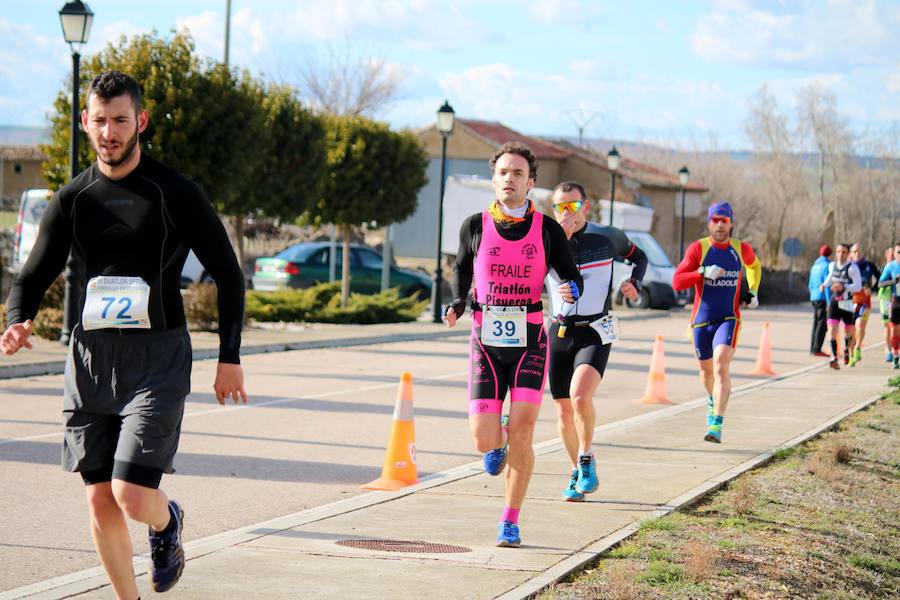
{"type": "Point", "coordinates": [656, 379]}
{"type": "Point", "coordinates": [399, 468]}
{"type": "Point", "coordinates": [764, 356]}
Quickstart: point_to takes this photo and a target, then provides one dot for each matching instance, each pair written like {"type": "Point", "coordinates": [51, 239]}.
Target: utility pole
{"type": "Point", "coordinates": [581, 118]}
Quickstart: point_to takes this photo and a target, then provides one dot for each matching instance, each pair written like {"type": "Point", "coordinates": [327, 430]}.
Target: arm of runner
{"type": "Point", "coordinates": [562, 260]}
{"type": "Point", "coordinates": [686, 273]}
{"type": "Point", "coordinates": [629, 251]}
{"type": "Point", "coordinates": [230, 383]}
{"type": "Point", "coordinates": [826, 285]}
{"type": "Point", "coordinates": [753, 266]}
{"type": "Point", "coordinates": [202, 229]}
{"type": "Point", "coordinates": [463, 267]}
{"type": "Point", "coordinates": [887, 278]}
{"type": "Point", "coordinates": [46, 260]}
{"type": "Point", "coordinates": [855, 279]}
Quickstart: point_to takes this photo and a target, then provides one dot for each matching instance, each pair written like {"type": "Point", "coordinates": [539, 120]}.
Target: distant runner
{"type": "Point", "coordinates": [713, 266]}
{"type": "Point", "coordinates": [843, 280]}
{"type": "Point", "coordinates": [890, 278]}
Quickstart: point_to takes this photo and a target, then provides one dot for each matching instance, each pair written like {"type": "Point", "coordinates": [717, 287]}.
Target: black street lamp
{"type": "Point", "coordinates": [683, 176]}
{"type": "Point", "coordinates": [76, 18]}
{"type": "Point", "coordinates": [445, 116]}
{"type": "Point", "coordinates": [612, 163]}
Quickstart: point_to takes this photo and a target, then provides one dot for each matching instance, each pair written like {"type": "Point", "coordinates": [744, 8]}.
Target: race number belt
{"type": "Point", "coordinates": [608, 328]}
{"type": "Point", "coordinates": [504, 326]}
{"type": "Point", "coordinates": [846, 305]}
{"type": "Point", "coordinates": [116, 302]}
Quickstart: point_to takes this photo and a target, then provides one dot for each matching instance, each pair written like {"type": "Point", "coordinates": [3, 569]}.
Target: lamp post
{"type": "Point", "coordinates": [683, 176]}
{"type": "Point", "coordinates": [445, 116]}
{"type": "Point", "coordinates": [76, 18]}
{"type": "Point", "coordinates": [612, 162]}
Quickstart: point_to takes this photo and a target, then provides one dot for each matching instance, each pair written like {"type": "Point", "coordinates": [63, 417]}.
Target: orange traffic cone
{"type": "Point", "coordinates": [399, 468]}
{"type": "Point", "coordinates": [764, 356]}
{"type": "Point", "coordinates": [656, 379]}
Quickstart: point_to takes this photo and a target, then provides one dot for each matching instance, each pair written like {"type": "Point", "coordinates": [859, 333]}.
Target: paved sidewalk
{"type": "Point", "coordinates": [648, 465]}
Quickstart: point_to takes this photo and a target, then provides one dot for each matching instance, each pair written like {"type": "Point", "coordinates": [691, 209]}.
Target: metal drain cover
{"type": "Point", "coordinates": [403, 546]}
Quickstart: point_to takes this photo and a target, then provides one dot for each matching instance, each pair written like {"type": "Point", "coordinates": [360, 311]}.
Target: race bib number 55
{"type": "Point", "coordinates": [118, 302]}
{"type": "Point", "coordinates": [504, 326]}
{"type": "Point", "coordinates": [608, 328]}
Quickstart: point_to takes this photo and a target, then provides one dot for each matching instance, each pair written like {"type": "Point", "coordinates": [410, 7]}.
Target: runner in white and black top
{"type": "Point", "coordinates": [578, 354]}
{"type": "Point", "coordinates": [843, 280]}
{"type": "Point", "coordinates": [130, 220]}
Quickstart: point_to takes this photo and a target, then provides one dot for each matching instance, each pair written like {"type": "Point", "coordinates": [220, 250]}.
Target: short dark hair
{"type": "Point", "coordinates": [568, 186]}
{"type": "Point", "coordinates": [520, 149]}
{"type": "Point", "coordinates": [112, 84]}
{"type": "Point", "coordinates": [847, 246]}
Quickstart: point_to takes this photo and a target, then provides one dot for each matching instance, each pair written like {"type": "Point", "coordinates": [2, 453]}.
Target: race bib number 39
{"type": "Point", "coordinates": [116, 302]}
{"type": "Point", "coordinates": [608, 328]}
{"type": "Point", "coordinates": [505, 326]}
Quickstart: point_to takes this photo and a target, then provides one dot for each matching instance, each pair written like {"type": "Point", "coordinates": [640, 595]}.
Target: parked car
{"type": "Point", "coordinates": [31, 209]}
{"type": "Point", "coordinates": [306, 263]}
{"type": "Point", "coordinates": [657, 289]}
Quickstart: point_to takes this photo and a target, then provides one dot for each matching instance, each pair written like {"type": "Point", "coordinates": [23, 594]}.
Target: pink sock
{"type": "Point", "coordinates": [510, 514]}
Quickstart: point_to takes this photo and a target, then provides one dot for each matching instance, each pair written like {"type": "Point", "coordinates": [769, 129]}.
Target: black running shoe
{"type": "Point", "coordinates": [167, 553]}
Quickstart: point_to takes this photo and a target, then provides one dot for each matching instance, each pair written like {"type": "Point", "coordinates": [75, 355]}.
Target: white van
{"type": "Point", "coordinates": [657, 289]}
{"type": "Point", "coordinates": [31, 208]}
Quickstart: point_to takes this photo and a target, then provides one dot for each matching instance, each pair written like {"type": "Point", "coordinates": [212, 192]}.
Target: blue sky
{"type": "Point", "coordinates": [671, 72]}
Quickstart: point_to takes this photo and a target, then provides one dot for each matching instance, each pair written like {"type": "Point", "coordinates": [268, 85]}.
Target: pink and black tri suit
{"type": "Point", "coordinates": [509, 263]}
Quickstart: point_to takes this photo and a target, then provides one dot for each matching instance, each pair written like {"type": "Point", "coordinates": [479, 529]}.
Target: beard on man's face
{"type": "Point", "coordinates": [127, 150]}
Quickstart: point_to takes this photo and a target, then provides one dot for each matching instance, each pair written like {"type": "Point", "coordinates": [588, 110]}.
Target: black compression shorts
{"type": "Point", "coordinates": [580, 346]}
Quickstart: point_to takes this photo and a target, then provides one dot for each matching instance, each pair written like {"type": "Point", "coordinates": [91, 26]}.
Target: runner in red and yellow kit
{"type": "Point", "coordinates": [713, 266]}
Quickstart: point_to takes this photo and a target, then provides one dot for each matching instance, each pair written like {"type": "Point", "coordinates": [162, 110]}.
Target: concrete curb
{"type": "Point", "coordinates": [536, 585]}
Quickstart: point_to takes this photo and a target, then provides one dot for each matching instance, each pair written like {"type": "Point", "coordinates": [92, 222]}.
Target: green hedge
{"type": "Point", "coordinates": [322, 303]}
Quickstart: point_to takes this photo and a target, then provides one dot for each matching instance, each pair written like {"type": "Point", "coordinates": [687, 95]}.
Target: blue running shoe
{"type": "Point", "coordinates": [508, 535]}
{"type": "Point", "coordinates": [714, 431]}
{"type": "Point", "coordinates": [495, 460]}
{"type": "Point", "coordinates": [167, 553]}
{"type": "Point", "coordinates": [587, 475]}
{"type": "Point", "coordinates": [889, 357]}
{"type": "Point", "coordinates": [571, 494]}
{"type": "Point", "coordinates": [710, 410]}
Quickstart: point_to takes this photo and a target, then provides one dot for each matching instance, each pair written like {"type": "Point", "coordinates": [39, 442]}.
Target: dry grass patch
{"type": "Point", "coordinates": [700, 561]}
{"type": "Point", "coordinates": [744, 497]}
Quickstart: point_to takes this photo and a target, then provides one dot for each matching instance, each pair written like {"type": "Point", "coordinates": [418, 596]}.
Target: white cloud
{"type": "Point", "coordinates": [839, 33]}
{"type": "Point", "coordinates": [32, 67]}
{"type": "Point", "coordinates": [529, 101]}
{"type": "Point", "coordinates": [893, 81]}
{"type": "Point", "coordinates": [564, 12]}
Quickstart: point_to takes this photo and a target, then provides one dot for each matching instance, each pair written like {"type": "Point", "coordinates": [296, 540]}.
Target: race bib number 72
{"type": "Point", "coordinates": [116, 302]}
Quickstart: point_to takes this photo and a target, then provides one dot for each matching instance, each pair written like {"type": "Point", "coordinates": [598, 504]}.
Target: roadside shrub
{"type": "Point", "coordinates": [201, 307]}
{"type": "Point", "coordinates": [620, 583]}
{"type": "Point", "coordinates": [322, 303]}
{"type": "Point", "coordinates": [55, 294]}
{"type": "Point", "coordinates": [48, 323]}
{"type": "Point", "coordinates": [841, 453]}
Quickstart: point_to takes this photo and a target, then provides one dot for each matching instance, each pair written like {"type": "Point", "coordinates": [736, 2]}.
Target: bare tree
{"type": "Point", "coordinates": [348, 85]}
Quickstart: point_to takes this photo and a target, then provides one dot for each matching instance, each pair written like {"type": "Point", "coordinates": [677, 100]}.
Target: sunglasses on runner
{"type": "Point", "coordinates": [570, 206]}
{"type": "Point", "coordinates": [717, 220]}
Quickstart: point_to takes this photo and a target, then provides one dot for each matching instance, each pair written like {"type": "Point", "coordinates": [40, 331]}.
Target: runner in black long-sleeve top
{"type": "Point", "coordinates": [130, 221]}
{"type": "Point", "coordinates": [506, 251]}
